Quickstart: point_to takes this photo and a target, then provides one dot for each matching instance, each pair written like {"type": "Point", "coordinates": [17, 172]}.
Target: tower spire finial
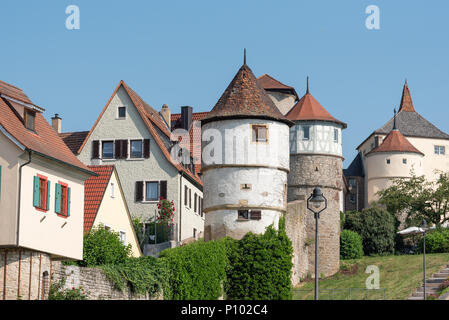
{"type": "Point", "coordinates": [244, 56]}
{"type": "Point", "coordinates": [394, 120]}
{"type": "Point", "coordinates": [307, 84]}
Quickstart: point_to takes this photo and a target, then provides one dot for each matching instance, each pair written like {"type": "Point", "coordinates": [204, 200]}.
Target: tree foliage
{"type": "Point", "coordinates": [351, 245]}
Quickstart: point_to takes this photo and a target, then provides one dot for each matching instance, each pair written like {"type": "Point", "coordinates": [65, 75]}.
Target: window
{"type": "Point", "coordinates": [190, 198]}
{"type": "Point", "coordinates": [388, 161]}
{"type": "Point", "coordinates": [259, 133]}
{"type": "Point", "coordinates": [62, 199]}
{"type": "Point", "coordinates": [41, 195]}
{"type": "Point", "coordinates": [243, 214]}
{"type": "Point", "coordinates": [404, 161]}
{"type": "Point", "coordinates": [352, 198]}
{"type": "Point", "coordinates": [352, 182]}
{"type": "Point", "coordinates": [29, 118]}
{"type": "Point", "coordinates": [108, 149]}
{"type": "Point", "coordinates": [194, 203]}
{"type": "Point", "coordinates": [249, 215]}
{"type": "Point", "coordinates": [152, 191]}
{"type": "Point", "coordinates": [335, 135]}
{"type": "Point", "coordinates": [440, 150]}
{"type": "Point", "coordinates": [186, 191]}
{"type": "Point", "coordinates": [305, 132]}
{"type": "Point", "coordinates": [112, 190]}
{"type": "Point", "coordinates": [136, 149]}
{"type": "Point", "coordinates": [122, 112]}
{"type": "Point", "coordinates": [194, 233]}
{"type": "Point", "coordinates": [123, 237]}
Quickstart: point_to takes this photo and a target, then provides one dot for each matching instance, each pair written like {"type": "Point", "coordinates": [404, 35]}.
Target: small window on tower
{"type": "Point", "coordinates": [335, 135]}
{"type": "Point", "coordinates": [388, 161]}
{"type": "Point", "coordinates": [404, 161]}
{"type": "Point", "coordinates": [243, 215]}
{"type": "Point", "coordinates": [305, 133]}
{"type": "Point", "coordinates": [259, 133]}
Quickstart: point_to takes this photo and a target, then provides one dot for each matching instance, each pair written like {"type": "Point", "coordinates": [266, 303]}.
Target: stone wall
{"type": "Point", "coordinates": [94, 282]}
{"type": "Point", "coordinates": [24, 274]}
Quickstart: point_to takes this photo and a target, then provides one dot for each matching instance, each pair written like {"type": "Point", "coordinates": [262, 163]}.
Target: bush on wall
{"type": "Point", "coordinates": [260, 266]}
{"type": "Point", "coordinates": [436, 241]}
{"type": "Point", "coordinates": [376, 226]}
{"type": "Point", "coordinates": [351, 245]}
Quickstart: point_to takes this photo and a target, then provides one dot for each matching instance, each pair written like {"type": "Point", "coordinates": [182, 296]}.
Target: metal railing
{"type": "Point", "coordinates": [340, 294]}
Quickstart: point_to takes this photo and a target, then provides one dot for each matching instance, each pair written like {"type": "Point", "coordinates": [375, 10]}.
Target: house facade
{"type": "Point", "coordinates": [41, 198]}
{"type": "Point", "coordinates": [133, 137]}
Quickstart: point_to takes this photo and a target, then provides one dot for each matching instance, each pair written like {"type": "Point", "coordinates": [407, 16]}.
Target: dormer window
{"type": "Point", "coordinates": [259, 133]}
{"type": "Point", "coordinates": [29, 119]}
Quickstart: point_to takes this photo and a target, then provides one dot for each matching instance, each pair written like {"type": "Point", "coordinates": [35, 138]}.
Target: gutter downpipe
{"type": "Point", "coordinates": [180, 205]}
{"type": "Point", "coordinates": [20, 191]}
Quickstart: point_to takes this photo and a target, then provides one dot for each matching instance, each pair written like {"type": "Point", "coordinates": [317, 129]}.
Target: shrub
{"type": "Point", "coordinates": [436, 241]}
{"type": "Point", "coordinates": [376, 226]}
{"type": "Point", "coordinates": [102, 246]}
{"type": "Point", "coordinates": [351, 245]}
{"type": "Point", "coordinates": [57, 292]}
{"type": "Point", "coordinates": [260, 266]}
{"type": "Point", "coordinates": [195, 271]}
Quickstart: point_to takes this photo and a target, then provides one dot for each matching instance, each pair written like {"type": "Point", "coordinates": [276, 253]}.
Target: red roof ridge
{"type": "Point", "coordinates": [395, 141]}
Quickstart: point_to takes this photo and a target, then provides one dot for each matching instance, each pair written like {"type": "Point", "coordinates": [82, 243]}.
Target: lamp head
{"type": "Point", "coordinates": [424, 224]}
{"type": "Point", "coordinates": [317, 197]}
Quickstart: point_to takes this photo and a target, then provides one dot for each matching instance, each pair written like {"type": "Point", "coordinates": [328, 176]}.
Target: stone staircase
{"type": "Point", "coordinates": [432, 284]}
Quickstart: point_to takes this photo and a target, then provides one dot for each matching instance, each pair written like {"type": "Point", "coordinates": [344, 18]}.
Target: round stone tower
{"type": "Point", "coordinates": [245, 160]}
{"type": "Point", "coordinates": [316, 160]}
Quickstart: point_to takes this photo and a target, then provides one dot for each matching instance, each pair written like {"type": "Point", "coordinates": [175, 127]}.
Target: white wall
{"type": "Point", "coordinates": [321, 139]}
{"type": "Point", "coordinates": [190, 219]}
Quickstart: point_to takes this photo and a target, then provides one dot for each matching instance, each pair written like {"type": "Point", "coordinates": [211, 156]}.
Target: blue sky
{"type": "Point", "coordinates": [186, 53]}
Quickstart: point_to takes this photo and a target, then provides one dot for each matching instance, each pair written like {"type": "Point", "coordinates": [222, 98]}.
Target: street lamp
{"type": "Point", "coordinates": [314, 202]}
{"type": "Point", "coordinates": [423, 228]}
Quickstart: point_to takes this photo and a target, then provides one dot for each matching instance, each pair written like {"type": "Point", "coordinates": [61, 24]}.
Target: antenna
{"type": "Point", "coordinates": [244, 56]}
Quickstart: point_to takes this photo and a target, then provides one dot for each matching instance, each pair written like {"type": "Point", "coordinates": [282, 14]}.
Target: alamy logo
{"type": "Point", "coordinates": [73, 20]}
{"type": "Point", "coordinates": [372, 22]}
{"type": "Point", "coordinates": [373, 281]}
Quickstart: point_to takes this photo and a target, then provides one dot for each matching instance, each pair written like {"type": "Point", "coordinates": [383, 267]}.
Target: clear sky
{"type": "Point", "coordinates": [187, 52]}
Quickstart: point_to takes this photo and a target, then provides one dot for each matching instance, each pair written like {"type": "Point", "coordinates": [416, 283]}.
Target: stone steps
{"type": "Point", "coordinates": [432, 284]}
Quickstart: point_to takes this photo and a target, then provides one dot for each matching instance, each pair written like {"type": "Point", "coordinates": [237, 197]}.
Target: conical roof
{"type": "Point", "coordinates": [245, 98]}
{"type": "Point", "coordinates": [308, 108]}
{"type": "Point", "coordinates": [406, 100]}
{"type": "Point", "coordinates": [395, 142]}
{"type": "Point", "coordinates": [271, 84]}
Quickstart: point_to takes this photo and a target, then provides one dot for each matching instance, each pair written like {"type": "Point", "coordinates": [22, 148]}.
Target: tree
{"type": "Point", "coordinates": [418, 198]}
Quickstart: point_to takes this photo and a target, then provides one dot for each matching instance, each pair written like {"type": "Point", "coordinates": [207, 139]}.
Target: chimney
{"type": "Point", "coordinates": [166, 114]}
{"type": "Point", "coordinates": [186, 117]}
{"type": "Point", "coordinates": [56, 123]}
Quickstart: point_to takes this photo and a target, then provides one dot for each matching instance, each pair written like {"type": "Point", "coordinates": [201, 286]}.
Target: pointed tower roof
{"type": "Point", "coordinates": [396, 142]}
{"type": "Point", "coordinates": [245, 98]}
{"type": "Point", "coordinates": [406, 100]}
{"type": "Point", "coordinates": [308, 108]}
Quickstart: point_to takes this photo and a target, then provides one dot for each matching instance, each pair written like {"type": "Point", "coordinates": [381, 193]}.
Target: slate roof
{"type": "Point", "coordinates": [271, 84]}
{"type": "Point", "coordinates": [94, 189]}
{"type": "Point", "coordinates": [245, 98]}
{"type": "Point", "coordinates": [308, 108]}
{"type": "Point", "coordinates": [74, 140]}
{"type": "Point", "coordinates": [395, 142]}
{"type": "Point", "coordinates": [44, 140]}
{"type": "Point", "coordinates": [355, 169]}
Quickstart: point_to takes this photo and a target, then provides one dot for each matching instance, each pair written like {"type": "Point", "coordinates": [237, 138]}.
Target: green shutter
{"type": "Point", "coordinates": [68, 201]}
{"type": "Point", "coordinates": [48, 194]}
{"type": "Point", "coordinates": [58, 198]}
{"type": "Point", "coordinates": [36, 192]}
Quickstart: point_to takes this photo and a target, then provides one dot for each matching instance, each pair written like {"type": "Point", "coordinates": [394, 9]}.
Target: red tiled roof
{"type": "Point", "coordinates": [44, 140]}
{"type": "Point", "coordinates": [150, 119]}
{"type": "Point", "coordinates": [195, 134]}
{"type": "Point", "coordinates": [308, 108]}
{"type": "Point", "coordinates": [269, 83]}
{"type": "Point", "coordinates": [245, 98]}
{"type": "Point", "coordinates": [94, 189]}
{"type": "Point", "coordinates": [74, 140]}
{"type": "Point", "coordinates": [395, 142]}
{"type": "Point", "coordinates": [406, 100]}
{"type": "Point", "coordinates": [14, 92]}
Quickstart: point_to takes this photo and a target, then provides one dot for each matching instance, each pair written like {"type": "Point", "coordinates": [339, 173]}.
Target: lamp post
{"type": "Point", "coordinates": [423, 228]}
{"type": "Point", "coordinates": [314, 202]}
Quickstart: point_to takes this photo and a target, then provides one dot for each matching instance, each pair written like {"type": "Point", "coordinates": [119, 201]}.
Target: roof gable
{"type": "Point", "coordinates": [271, 84]}
{"type": "Point", "coordinates": [395, 142]}
{"type": "Point", "coordinates": [245, 98]}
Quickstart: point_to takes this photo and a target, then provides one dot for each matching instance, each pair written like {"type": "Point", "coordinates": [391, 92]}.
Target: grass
{"type": "Point", "coordinates": [399, 275]}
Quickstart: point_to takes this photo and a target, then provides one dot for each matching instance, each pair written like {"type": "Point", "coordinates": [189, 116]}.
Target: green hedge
{"type": "Point", "coordinates": [196, 271]}
{"type": "Point", "coordinates": [376, 226]}
{"type": "Point", "coordinates": [436, 241]}
{"type": "Point", "coordinates": [260, 266]}
{"type": "Point", "coordinates": [351, 245]}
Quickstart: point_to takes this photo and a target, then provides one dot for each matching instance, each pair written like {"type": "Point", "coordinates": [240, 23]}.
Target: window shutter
{"type": "Point", "coordinates": [69, 190]}
{"type": "Point", "coordinates": [58, 198]}
{"type": "Point", "coordinates": [139, 191]}
{"type": "Point", "coordinates": [185, 195]}
{"type": "Point", "coordinates": [36, 191]}
{"type": "Point", "coordinates": [96, 149]}
{"type": "Point", "coordinates": [146, 148]}
{"type": "Point", "coordinates": [163, 189]}
{"type": "Point", "coordinates": [190, 198]}
{"type": "Point", "coordinates": [118, 149]}
{"type": "Point", "coordinates": [124, 148]}
{"type": "Point", "coordinates": [48, 195]}
{"type": "Point", "coordinates": [255, 215]}
{"type": "Point", "coordinates": [194, 203]}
